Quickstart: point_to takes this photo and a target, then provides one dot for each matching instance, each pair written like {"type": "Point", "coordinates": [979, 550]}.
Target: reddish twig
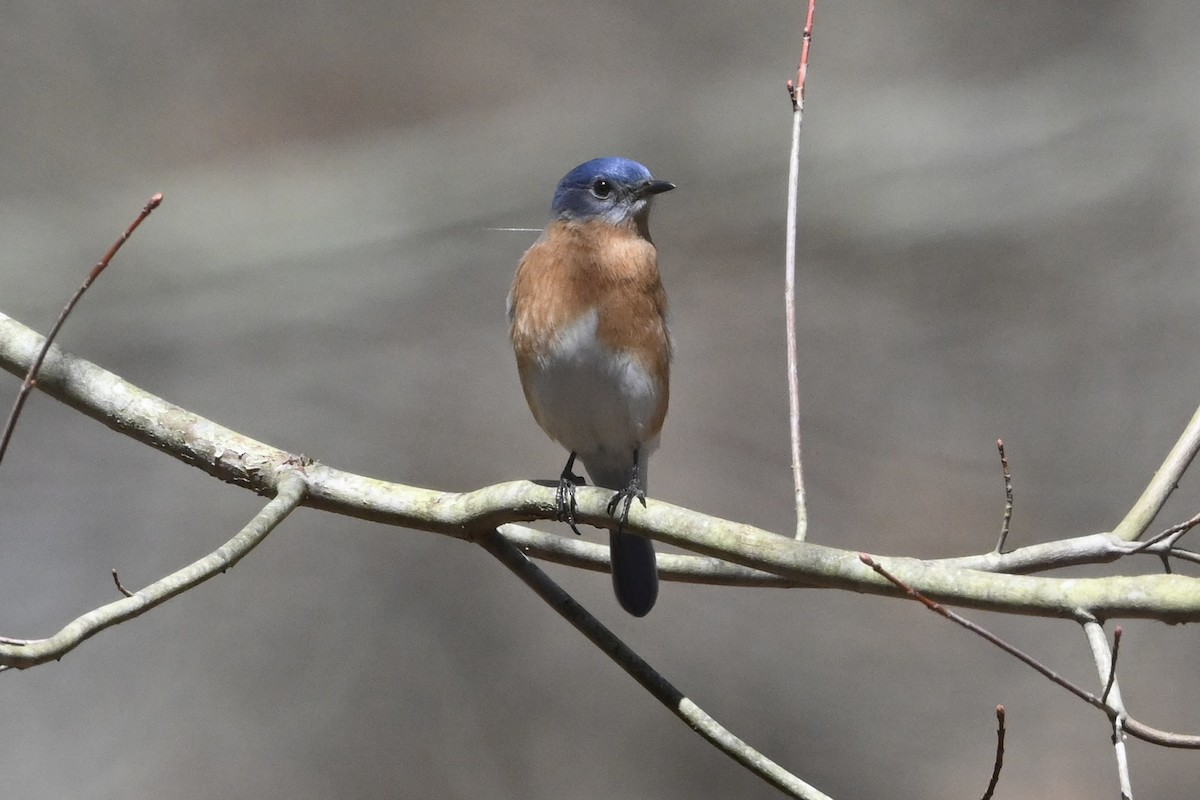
{"type": "Point", "coordinates": [1131, 726]}
{"type": "Point", "coordinates": [991, 787]}
{"type": "Point", "coordinates": [984, 633]}
{"type": "Point", "coordinates": [120, 587]}
{"type": "Point", "coordinates": [31, 376]}
{"type": "Point", "coordinates": [1008, 497]}
{"type": "Point", "coordinates": [1112, 667]}
{"type": "Point", "coordinates": [796, 88]}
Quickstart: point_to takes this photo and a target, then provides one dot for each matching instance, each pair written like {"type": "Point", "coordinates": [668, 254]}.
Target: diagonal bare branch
{"type": "Point", "coordinates": [637, 667]}
{"type": "Point", "coordinates": [1154, 497]}
{"type": "Point", "coordinates": [25, 653]}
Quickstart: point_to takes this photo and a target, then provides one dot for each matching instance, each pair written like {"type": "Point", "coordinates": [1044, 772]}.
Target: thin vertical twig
{"type": "Point", "coordinates": [796, 93]}
{"type": "Point", "coordinates": [31, 376]}
{"type": "Point", "coordinates": [1008, 498]}
{"type": "Point", "coordinates": [998, 763]}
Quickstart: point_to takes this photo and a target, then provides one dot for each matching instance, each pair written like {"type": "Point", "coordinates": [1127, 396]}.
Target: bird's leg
{"type": "Point", "coordinates": [634, 489]}
{"type": "Point", "coordinates": [564, 497]}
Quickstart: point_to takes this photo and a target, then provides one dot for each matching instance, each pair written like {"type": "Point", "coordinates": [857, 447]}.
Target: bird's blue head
{"type": "Point", "coordinates": [615, 190]}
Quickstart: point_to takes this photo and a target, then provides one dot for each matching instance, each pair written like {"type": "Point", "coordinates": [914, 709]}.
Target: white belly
{"type": "Point", "coordinates": [592, 400]}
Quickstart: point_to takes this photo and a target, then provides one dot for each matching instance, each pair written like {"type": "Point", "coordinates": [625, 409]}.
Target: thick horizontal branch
{"type": "Point", "coordinates": [241, 460]}
{"type": "Point", "coordinates": [576, 552]}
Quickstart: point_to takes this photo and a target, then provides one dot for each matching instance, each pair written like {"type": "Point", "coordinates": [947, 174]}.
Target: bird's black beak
{"type": "Point", "coordinates": [654, 187]}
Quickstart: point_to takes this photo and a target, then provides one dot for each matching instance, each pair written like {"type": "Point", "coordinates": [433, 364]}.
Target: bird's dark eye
{"type": "Point", "coordinates": [602, 188]}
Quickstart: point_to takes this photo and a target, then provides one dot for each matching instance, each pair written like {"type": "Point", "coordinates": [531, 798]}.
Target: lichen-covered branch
{"type": "Point", "coordinates": [241, 460]}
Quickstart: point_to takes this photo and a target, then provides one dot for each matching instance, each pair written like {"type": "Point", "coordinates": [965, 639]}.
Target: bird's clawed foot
{"type": "Point", "coordinates": [564, 497]}
{"type": "Point", "coordinates": [624, 498]}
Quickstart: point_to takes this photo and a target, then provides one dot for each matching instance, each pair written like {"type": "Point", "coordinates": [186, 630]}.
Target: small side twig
{"type": "Point", "coordinates": [999, 762]}
{"type": "Point", "coordinates": [1008, 498]}
{"type": "Point", "coordinates": [796, 94]}
{"type": "Point", "coordinates": [120, 587]}
{"type": "Point", "coordinates": [1175, 532]}
{"type": "Point", "coordinates": [1112, 668]}
{"type": "Point", "coordinates": [1106, 664]}
{"type": "Point", "coordinates": [1163, 544]}
{"type": "Point", "coordinates": [31, 376]}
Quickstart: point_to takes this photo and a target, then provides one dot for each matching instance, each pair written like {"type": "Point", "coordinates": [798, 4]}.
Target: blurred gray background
{"type": "Point", "coordinates": [998, 239]}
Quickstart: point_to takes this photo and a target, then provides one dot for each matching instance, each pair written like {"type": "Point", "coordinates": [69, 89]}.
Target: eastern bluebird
{"type": "Point", "coordinates": [587, 316]}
